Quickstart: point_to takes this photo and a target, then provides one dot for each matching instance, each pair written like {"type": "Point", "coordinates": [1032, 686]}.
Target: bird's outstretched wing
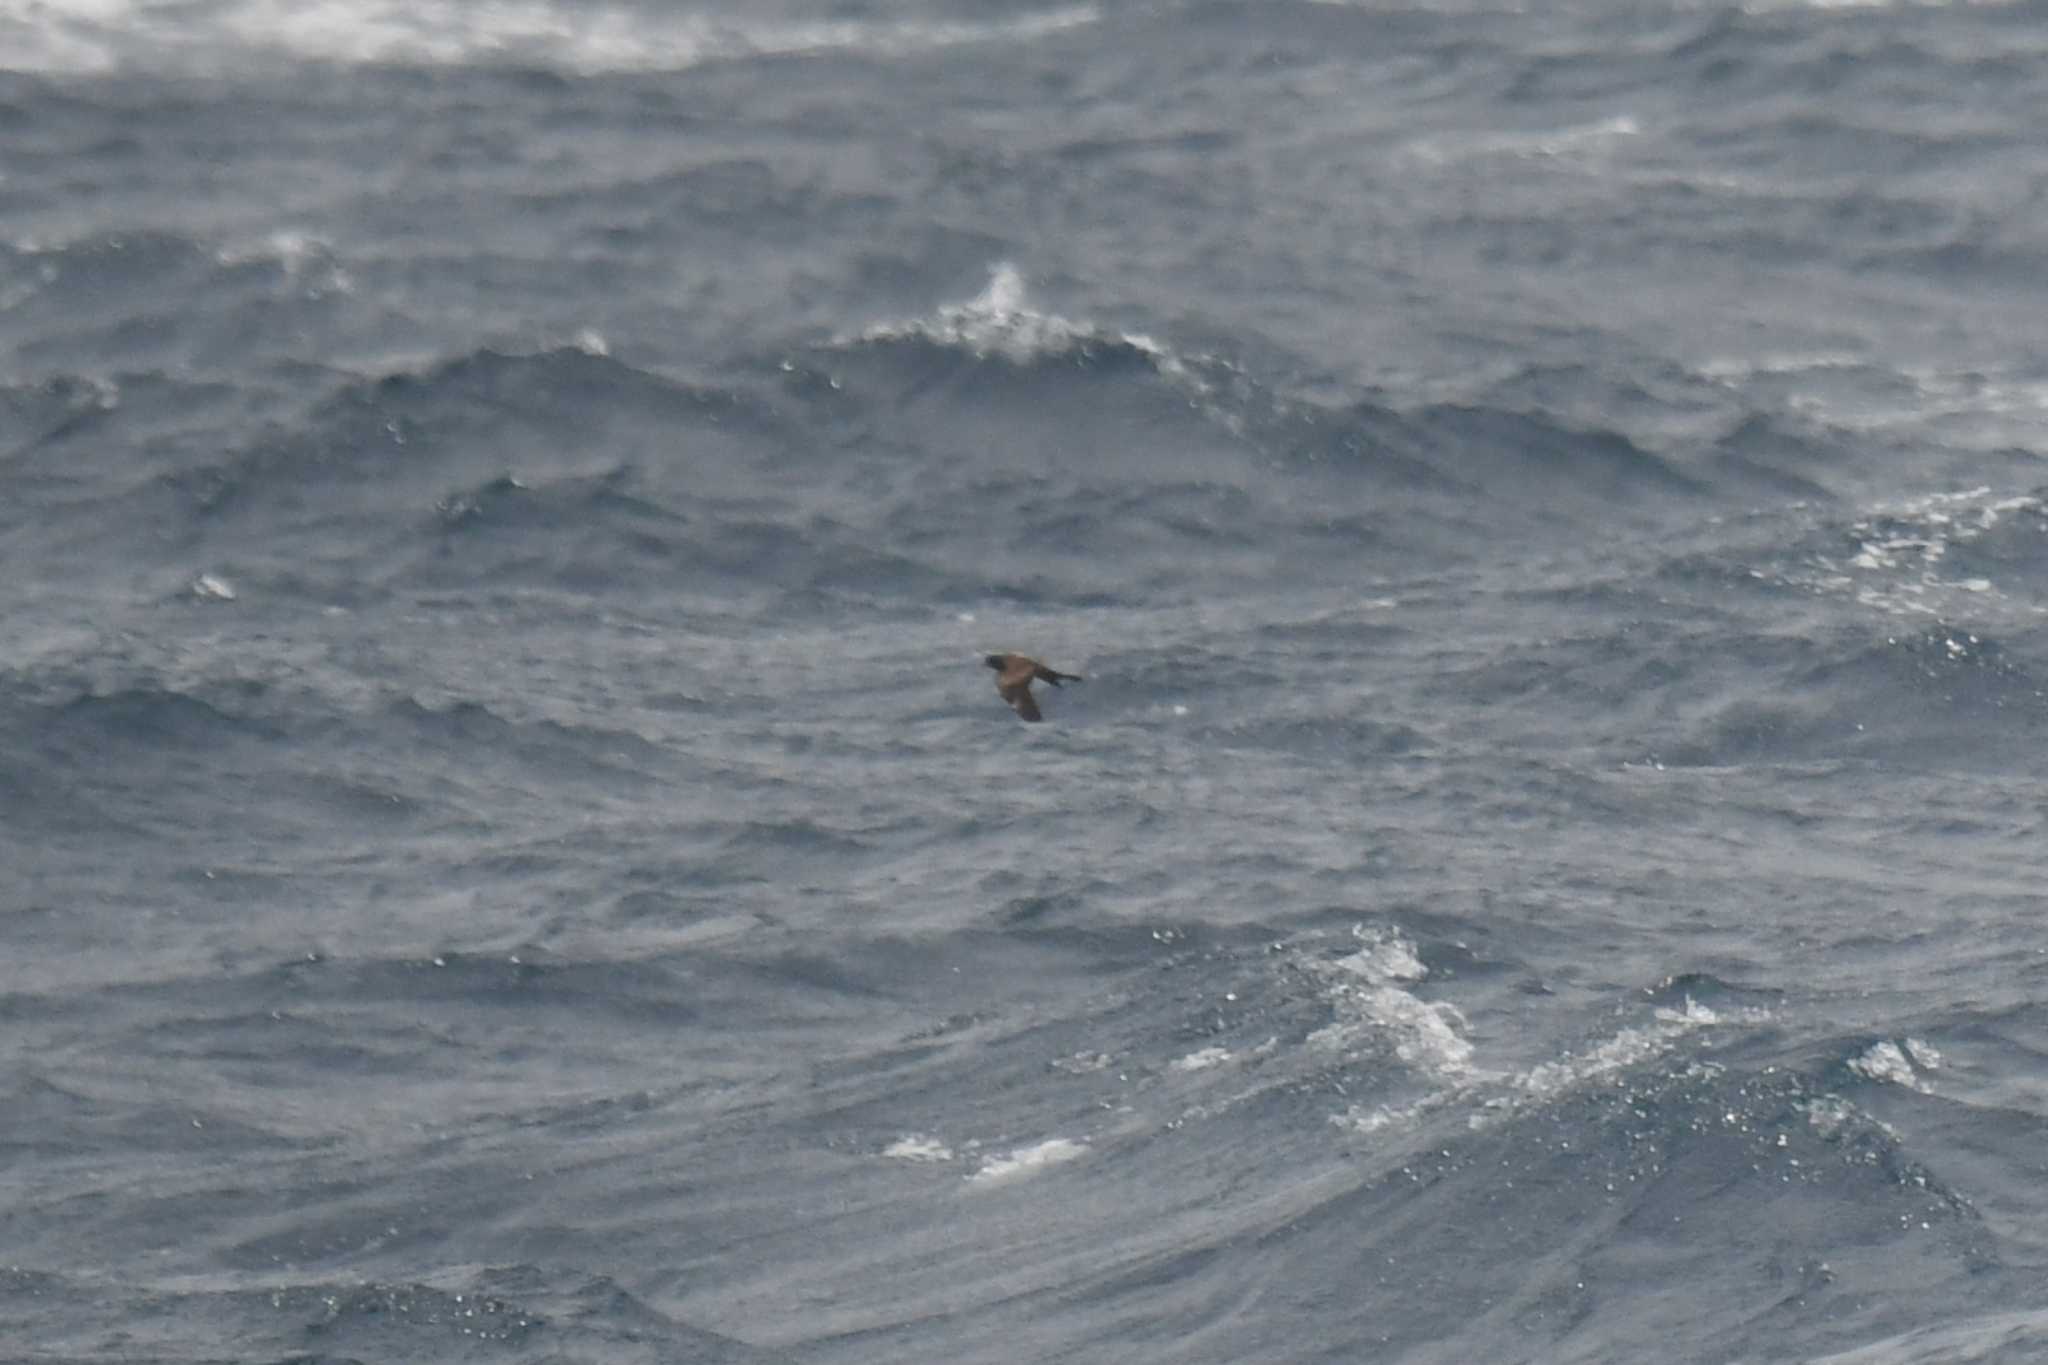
{"type": "Point", "coordinates": [1027, 705]}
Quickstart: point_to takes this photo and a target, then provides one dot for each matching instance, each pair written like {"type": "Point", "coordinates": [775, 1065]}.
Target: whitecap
{"type": "Point", "coordinates": [918, 1147]}
{"type": "Point", "coordinates": [1024, 1161]}
{"type": "Point", "coordinates": [1925, 1056]}
{"type": "Point", "coordinates": [1000, 322]}
{"type": "Point", "coordinates": [1885, 1061]}
{"type": "Point", "coordinates": [1367, 989]}
{"type": "Point", "coordinates": [1553, 143]}
{"type": "Point", "coordinates": [1901, 548]}
{"type": "Point", "coordinates": [306, 259]}
{"type": "Point", "coordinates": [99, 35]}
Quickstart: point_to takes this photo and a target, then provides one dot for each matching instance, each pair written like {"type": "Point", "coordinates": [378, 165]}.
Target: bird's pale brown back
{"type": "Point", "coordinates": [1014, 676]}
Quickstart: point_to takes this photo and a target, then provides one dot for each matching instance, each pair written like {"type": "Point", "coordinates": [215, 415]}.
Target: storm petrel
{"type": "Point", "coordinates": [1014, 675]}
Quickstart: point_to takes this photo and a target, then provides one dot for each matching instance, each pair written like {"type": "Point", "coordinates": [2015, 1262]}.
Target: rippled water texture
{"type": "Point", "coordinates": [509, 851]}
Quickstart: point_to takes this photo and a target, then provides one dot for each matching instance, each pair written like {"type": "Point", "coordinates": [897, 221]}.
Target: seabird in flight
{"type": "Point", "coordinates": [1014, 675]}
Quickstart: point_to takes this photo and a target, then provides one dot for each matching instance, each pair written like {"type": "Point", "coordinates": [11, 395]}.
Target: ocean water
{"type": "Point", "coordinates": [508, 851]}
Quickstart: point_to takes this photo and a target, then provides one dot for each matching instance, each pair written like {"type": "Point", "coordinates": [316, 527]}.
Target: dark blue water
{"type": "Point", "coordinates": [508, 850]}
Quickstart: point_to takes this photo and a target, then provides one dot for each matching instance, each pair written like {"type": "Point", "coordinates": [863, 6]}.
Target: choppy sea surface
{"type": "Point", "coordinates": [508, 851]}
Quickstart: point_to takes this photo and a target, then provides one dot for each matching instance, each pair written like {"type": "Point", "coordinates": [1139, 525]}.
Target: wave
{"type": "Point", "coordinates": [1709, 1148]}
{"type": "Point", "coordinates": [1937, 697]}
{"type": "Point", "coordinates": [627, 528]}
{"type": "Point", "coordinates": [574, 471]}
{"type": "Point", "coordinates": [84, 37]}
{"type": "Point", "coordinates": [534, 384]}
{"type": "Point", "coordinates": [1975, 557]}
{"type": "Point", "coordinates": [178, 304]}
{"type": "Point", "coordinates": [125, 272]}
{"type": "Point", "coordinates": [1583, 139]}
{"type": "Point", "coordinates": [998, 353]}
{"type": "Point", "coordinates": [484, 440]}
{"type": "Point", "coordinates": [462, 1314]}
{"type": "Point", "coordinates": [990, 448]}
{"type": "Point", "coordinates": [999, 322]}
{"type": "Point", "coordinates": [1993, 1338]}
{"type": "Point", "coordinates": [1531, 458]}
{"type": "Point", "coordinates": [142, 716]}
{"type": "Point", "coordinates": [36, 414]}
{"type": "Point", "coordinates": [478, 737]}
{"type": "Point", "coordinates": [112, 263]}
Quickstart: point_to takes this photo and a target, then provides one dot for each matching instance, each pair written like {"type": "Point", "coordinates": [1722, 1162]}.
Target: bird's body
{"type": "Point", "coordinates": [1014, 676]}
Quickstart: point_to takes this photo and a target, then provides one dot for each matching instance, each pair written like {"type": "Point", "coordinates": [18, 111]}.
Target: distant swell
{"type": "Point", "coordinates": [587, 40]}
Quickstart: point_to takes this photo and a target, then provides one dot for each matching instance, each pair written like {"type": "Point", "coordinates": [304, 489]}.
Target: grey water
{"type": "Point", "coordinates": [508, 850]}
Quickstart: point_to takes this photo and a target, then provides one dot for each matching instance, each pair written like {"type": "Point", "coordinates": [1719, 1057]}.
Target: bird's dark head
{"type": "Point", "coordinates": [994, 661]}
